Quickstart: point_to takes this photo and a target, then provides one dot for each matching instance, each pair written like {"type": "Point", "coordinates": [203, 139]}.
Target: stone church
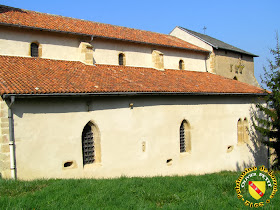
{"type": "Point", "coordinates": [81, 99]}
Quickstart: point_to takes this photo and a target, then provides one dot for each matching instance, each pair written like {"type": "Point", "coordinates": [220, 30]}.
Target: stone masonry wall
{"type": "Point", "coordinates": [4, 141]}
{"type": "Point", "coordinates": [234, 65]}
{"type": "Point", "coordinates": [212, 62]}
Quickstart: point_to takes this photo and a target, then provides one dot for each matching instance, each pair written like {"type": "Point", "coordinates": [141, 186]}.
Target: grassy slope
{"type": "Point", "coordinates": [213, 191]}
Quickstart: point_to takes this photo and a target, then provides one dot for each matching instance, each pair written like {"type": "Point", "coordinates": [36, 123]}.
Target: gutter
{"type": "Point", "coordinates": [12, 139]}
{"type": "Point", "coordinates": [5, 96]}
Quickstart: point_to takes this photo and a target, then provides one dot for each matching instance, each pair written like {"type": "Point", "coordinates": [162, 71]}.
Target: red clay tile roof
{"type": "Point", "coordinates": [26, 18]}
{"type": "Point", "coordinates": [20, 75]}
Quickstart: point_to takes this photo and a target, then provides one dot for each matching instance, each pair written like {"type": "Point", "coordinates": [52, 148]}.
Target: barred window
{"type": "Point", "coordinates": [91, 146]}
{"type": "Point", "coordinates": [34, 49]}
{"type": "Point", "coordinates": [185, 138]}
{"type": "Point", "coordinates": [88, 145]}
{"type": "Point", "coordinates": [182, 138]}
{"type": "Point", "coordinates": [121, 59]}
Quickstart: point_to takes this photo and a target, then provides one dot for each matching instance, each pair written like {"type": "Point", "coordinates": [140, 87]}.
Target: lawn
{"type": "Point", "coordinates": [211, 191]}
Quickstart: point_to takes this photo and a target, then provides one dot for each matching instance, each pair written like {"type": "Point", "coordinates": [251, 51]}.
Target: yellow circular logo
{"type": "Point", "coordinates": [256, 186]}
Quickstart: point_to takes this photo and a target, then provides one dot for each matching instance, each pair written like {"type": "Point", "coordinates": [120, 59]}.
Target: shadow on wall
{"type": "Point", "coordinates": [81, 104]}
{"type": "Point", "coordinates": [259, 153]}
{"type": "Point", "coordinates": [258, 150]}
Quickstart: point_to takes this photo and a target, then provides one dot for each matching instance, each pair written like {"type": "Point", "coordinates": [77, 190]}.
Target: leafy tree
{"type": "Point", "coordinates": [267, 118]}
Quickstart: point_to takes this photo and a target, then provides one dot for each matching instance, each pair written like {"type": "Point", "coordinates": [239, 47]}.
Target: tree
{"type": "Point", "coordinates": [266, 120]}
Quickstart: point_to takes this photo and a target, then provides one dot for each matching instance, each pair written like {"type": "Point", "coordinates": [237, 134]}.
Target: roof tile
{"type": "Point", "coordinates": [218, 44]}
{"type": "Point", "coordinates": [22, 75]}
{"type": "Point", "coordinates": [26, 18]}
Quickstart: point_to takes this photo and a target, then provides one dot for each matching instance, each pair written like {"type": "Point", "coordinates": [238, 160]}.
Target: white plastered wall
{"type": "Point", "coordinates": [48, 134]}
{"type": "Point", "coordinates": [17, 43]}
{"type": "Point", "coordinates": [106, 52]}
{"type": "Point", "coordinates": [180, 33]}
{"type": "Point", "coordinates": [64, 47]}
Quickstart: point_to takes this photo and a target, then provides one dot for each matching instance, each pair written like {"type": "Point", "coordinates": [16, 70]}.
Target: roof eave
{"type": "Point", "coordinates": [6, 96]}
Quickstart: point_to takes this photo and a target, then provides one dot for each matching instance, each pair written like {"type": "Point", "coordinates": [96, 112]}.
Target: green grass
{"type": "Point", "coordinates": [212, 191]}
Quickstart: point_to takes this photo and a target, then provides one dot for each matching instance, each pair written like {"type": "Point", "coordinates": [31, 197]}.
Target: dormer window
{"type": "Point", "coordinates": [121, 59]}
{"type": "Point", "coordinates": [181, 65]}
{"type": "Point", "coordinates": [34, 49]}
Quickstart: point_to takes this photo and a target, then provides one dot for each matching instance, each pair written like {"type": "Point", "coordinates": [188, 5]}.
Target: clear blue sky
{"type": "Point", "coordinates": [248, 24]}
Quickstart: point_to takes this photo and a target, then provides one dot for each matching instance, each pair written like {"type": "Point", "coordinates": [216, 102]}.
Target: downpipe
{"type": "Point", "coordinates": [12, 140]}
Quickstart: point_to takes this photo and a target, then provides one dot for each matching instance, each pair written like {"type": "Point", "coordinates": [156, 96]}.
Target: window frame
{"type": "Point", "coordinates": [181, 65]}
{"type": "Point", "coordinates": [88, 145]}
{"type": "Point", "coordinates": [96, 149]}
{"type": "Point", "coordinates": [243, 132]}
{"type": "Point", "coordinates": [185, 137]}
{"type": "Point", "coordinates": [121, 60]}
{"type": "Point", "coordinates": [35, 50]}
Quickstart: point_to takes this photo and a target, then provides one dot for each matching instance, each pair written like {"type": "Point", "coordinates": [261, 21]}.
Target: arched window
{"type": "Point", "coordinates": [91, 144]}
{"type": "Point", "coordinates": [246, 133]}
{"type": "Point", "coordinates": [34, 49]}
{"type": "Point", "coordinates": [243, 133]}
{"type": "Point", "coordinates": [185, 137]}
{"type": "Point", "coordinates": [181, 65]}
{"type": "Point", "coordinates": [235, 78]}
{"type": "Point", "coordinates": [121, 59]}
